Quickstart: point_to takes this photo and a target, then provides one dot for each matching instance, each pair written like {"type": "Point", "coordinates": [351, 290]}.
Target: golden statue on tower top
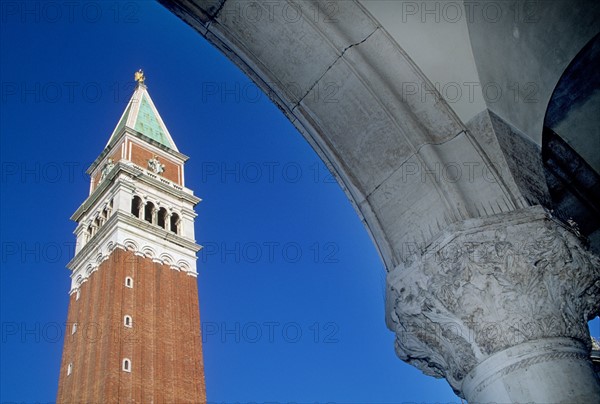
{"type": "Point", "coordinates": [139, 76]}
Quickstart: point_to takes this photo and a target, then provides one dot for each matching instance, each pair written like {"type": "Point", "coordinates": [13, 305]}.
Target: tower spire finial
{"type": "Point", "coordinates": [139, 77]}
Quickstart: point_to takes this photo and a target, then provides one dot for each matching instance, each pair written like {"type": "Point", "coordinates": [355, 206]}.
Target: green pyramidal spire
{"type": "Point", "coordinates": [142, 116]}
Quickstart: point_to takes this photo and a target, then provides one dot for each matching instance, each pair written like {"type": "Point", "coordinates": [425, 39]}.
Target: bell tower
{"type": "Point", "coordinates": [133, 325]}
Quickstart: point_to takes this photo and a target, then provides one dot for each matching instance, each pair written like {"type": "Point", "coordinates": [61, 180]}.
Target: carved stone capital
{"type": "Point", "coordinates": [489, 284]}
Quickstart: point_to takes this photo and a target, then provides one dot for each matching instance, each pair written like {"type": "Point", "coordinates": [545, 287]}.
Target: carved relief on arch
{"type": "Point", "coordinates": [183, 265]}
{"type": "Point", "coordinates": [166, 259]}
{"type": "Point", "coordinates": [148, 252]}
{"type": "Point", "coordinates": [100, 258]}
{"type": "Point", "coordinates": [488, 286]}
{"type": "Point", "coordinates": [130, 245]}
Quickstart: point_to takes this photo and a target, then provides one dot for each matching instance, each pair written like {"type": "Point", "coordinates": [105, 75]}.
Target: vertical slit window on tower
{"type": "Point", "coordinates": [128, 321]}
{"type": "Point", "coordinates": [69, 369]}
{"type": "Point", "coordinates": [77, 294]}
{"type": "Point", "coordinates": [127, 365]}
{"type": "Point", "coordinates": [129, 282]}
{"type": "Point", "coordinates": [73, 328]}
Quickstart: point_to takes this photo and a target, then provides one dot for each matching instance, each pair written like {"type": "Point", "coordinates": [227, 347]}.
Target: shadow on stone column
{"type": "Point", "coordinates": [499, 307]}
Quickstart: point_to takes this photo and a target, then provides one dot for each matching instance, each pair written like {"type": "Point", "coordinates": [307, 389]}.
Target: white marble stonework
{"type": "Point", "coordinates": [494, 300]}
{"type": "Point", "coordinates": [121, 229]}
{"type": "Point", "coordinates": [485, 288]}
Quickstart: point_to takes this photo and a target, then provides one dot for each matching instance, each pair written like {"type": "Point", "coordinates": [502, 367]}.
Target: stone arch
{"type": "Point", "coordinates": [175, 223]}
{"type": "Point", "coordinates": [162, 218]}
{"type": "Point", "coordinates": [148, 252]}
{"type": "Point", "coordinates": [98, 221]}
{"type": "Point", "coordinates": [99, 258]}
{"type": "Point", "coordinates": [570, 144]}
{"type": "Point", "coordinates": [387, 147]}
{"type": "Point", "coordinates": [183, 265]}
{"type": "Point", "coordinates": [130, 245]}
{"type": "Point", "coordinates": [166, 259]}
{"type": "Point", "coordinates": [136, 206]}
{"type": "Point", "coordinates": [150, 212]}
{"type": "Point", "coordinates": [342, 85]}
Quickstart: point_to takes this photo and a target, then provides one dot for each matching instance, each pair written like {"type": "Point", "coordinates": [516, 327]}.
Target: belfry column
{"type": "Point", "coordinates": [499, 307]}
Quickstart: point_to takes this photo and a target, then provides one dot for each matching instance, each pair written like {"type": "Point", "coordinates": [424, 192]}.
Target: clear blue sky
{"type": "Point", "coordinates": [291, 287]}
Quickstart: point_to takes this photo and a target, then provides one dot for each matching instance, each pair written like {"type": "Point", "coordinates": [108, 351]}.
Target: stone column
{"type": "Point", "coordinates": [168, 221]}
{"type": "Point", "coordinates": [499, 307]}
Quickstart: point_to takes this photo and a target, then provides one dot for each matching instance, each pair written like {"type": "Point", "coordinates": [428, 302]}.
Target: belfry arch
{"type": "Point", "coordinates": [454, 197]}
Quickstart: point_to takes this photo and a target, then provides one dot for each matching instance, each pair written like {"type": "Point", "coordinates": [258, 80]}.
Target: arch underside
{"type": "Point", "coordinates": [415, 171]}
{"type": "Point", "coordinates": [407, 162]}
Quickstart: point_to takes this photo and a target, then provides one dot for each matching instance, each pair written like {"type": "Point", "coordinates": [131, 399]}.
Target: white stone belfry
{"type": "Point", "coordinates": [137, 198]}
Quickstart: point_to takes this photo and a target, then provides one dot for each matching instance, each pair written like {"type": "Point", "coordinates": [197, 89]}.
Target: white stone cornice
{"type": "Point", "coordinates": [143, 239]}
{"type": "Point", "coordinates": [122, 175]}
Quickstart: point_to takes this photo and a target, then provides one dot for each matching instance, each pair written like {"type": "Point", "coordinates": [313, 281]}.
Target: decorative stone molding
{"type": "Point", "coordinates": [523, 356]}
{"type": "Point", "coordinates": [123, 231]}
{"type": "Point", "coordinates": [81, 276]}
{"type": "Point", "coordinates": [489, 284]}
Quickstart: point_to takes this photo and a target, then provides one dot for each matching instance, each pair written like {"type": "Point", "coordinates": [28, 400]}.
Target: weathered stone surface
{"type": "Point", "coordinates": [424, 182]}
{"type": "Point", "coordinates": [486, 285]}
{"type": "Point", "coordinates": [360, 114]}
{"type": "Point", "coordinates": [484, 130]}
{"type": "Point", "coordinates": [524, 161]}
{"type": "Point", "coordinates": [548, 370]}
